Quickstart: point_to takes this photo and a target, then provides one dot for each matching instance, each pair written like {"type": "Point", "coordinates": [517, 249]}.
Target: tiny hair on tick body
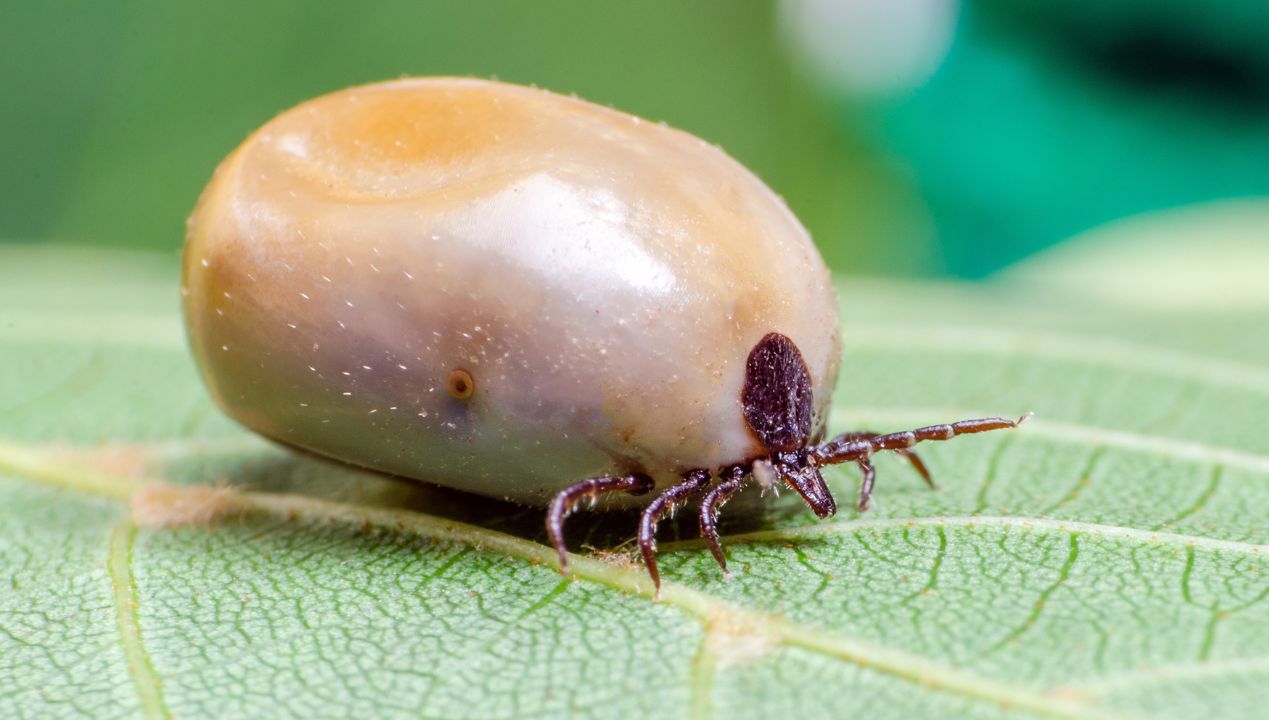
{"type": "Point", "coordinates": [525, 296]}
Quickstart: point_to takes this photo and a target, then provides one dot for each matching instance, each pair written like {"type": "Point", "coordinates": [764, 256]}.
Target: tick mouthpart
{"type": "Point", "coordinates": [804, 477]}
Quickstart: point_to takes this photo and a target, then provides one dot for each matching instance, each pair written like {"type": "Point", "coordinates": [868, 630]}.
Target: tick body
{"type": "Point", "coordinates": [516, 294]}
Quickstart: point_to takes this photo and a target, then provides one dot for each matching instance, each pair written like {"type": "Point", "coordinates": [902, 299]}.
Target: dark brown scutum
{"type": "Point", "coordinates": [777, 402]}
{"type": "Point", "coordinates": [694, 481]}
{"type": "Point", "coordinates": [564, 502]}
{"type": "Point", "coordinates": [776, 396]}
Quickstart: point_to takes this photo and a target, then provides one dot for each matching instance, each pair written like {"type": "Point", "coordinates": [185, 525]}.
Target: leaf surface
{"type": "Point", "coordinates": [1107, 560]}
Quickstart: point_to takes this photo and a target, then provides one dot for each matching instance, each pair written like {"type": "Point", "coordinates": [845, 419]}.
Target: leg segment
{"type": "Point", "coordinates": [694, 481]}
{"type": "Point", "coordinates": [917, 463]}
{"type": "Point", "coordinates": [563, 504]}
{"type": "Point", "coordinates": [732, 478]}
{"type": "Point", "coordinates": [865, 487]}
{"type": "Point", "coordinates": [842, 449]}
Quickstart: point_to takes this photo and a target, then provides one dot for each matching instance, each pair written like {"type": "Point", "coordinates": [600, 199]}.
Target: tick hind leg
{"type": "Point", "coordinates": [694, 481]}
{"type": "Point", "coordinates": [732, 480]}
{"type": "Point", "coordinates": [563, 504]}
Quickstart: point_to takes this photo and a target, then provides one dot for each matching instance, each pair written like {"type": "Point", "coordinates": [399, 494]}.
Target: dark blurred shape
{"type": "Point", "coordinates": [1163, 62]}
{"type": "Point", "coordinates": [1218, 57]}
{"type": "Point", "coordinates": [1046, 118]}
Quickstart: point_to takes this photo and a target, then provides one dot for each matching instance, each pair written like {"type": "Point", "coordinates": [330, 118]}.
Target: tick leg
{"type": "Point", "coordinates": [563, 504]}
{"type": "Point", "coordinates": [851, 447]}
{"type": "Point", "coordinates": [732, 478]}
{"type": "Point", "coordinates": [694, 481]}
{"type": "Point", "coordinates": [919, 465]}
{"type": "Point", "coordinates": [913, 458]}
{"type": "Point", "coordinates": [865, 487]}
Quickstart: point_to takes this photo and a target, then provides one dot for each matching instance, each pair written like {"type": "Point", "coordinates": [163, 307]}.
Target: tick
{"type": "Point", "coordinates": [525, 296]}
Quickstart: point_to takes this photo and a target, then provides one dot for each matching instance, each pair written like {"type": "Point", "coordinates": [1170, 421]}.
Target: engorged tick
{"type": "Point", "coordinates": [521, 295]}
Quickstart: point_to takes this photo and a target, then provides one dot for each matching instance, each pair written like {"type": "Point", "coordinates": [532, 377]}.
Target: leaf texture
{"type": "Point", "coordinates": [1108, 560]}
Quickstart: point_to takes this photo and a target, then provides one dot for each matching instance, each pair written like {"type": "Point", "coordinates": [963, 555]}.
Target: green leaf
{"type": "Point", "coordinates": [1106, 560]}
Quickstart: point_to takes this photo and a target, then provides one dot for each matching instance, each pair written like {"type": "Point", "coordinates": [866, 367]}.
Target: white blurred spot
{"type": "Point", "coordinates": [765, 474]}
{"type": "Point", "coordinates": [871, 47]}
{"type": "Point", "coordinates": [587, 233]}
{"type": "Point", "coordinates": [294, 144]}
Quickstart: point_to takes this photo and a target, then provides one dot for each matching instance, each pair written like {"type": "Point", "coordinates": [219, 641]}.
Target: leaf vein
{"type": "Point", "coordinates": [1085, 477]}
{"type": "Point", "coordinates": [912, 668]}
{"type": "Point", "coordinates": [704, 607]}
{"type": "Point", "coordinates": [704, 669]}
{"type": "Point", "coordinates": [1063, 574]}
{"type": "Point", "coordinates": [1023, 523]}
{"type": "Point", "coordinates": [140, 667]}
{"type": "Point", "coordinates": [993, 471]}
{"type": "Point", "coordinates": [1212, 484]}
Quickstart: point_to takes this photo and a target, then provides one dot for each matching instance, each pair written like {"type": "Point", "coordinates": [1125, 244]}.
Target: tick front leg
{"type": "Point", "coordinates": [859, 447]}
{"type": "Point", "coordinates": [917, 463]}
{"type": "Point", "coordinates": [563, 504]}
{"type": "Point", "coordinates": [865, 486]}
{"type": "Point", "coordinates": [694, 481]}
{"type": "Point", "coordinates": [851, 447]}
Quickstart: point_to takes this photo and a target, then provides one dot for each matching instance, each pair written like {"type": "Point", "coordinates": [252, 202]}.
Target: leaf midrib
{"type": "Point", "coordinates": [707, 609]}
{"type": "Point", "coordinates": [144, 677]}
{"type": "Point", "coordinates": [35, 464]}
{"type": "Point", "coordinates": [970, 521]}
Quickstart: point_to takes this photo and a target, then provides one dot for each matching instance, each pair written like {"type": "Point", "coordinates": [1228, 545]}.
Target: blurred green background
{"type": "Point", "coordinates": [910, 136]}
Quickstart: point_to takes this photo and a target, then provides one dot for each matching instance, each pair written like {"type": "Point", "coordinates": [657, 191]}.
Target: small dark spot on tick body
{"type": "Point", "coordinates": [460, 384]}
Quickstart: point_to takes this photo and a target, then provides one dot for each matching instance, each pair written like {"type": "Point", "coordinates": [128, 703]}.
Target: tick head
{"type": "Point", "coordinates": [805, 477]}
{"type": "Point", "coordinates": [776, 399]}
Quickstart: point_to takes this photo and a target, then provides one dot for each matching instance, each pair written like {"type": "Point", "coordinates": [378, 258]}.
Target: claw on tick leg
{"type": "Point", "coordinates": [567, 499]}
{"type": "Point", "coordinates": [732, 480]}
{"type": "Point", "coordinates": [694, 481]}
